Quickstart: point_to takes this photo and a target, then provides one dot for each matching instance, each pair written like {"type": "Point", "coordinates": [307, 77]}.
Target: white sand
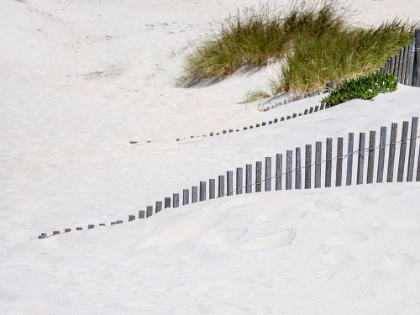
{"type": "Point", "coordinates": [79, 80]}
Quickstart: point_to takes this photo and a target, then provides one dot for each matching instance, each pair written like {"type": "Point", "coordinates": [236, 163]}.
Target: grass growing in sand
{"type": "Point", "coordinates": [313, 40]}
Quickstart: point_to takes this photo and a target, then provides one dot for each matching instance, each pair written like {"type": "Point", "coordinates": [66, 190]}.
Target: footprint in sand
{"type": "Point", "coordinates": [275, 240]}
{"type": "Point", "coordinates": [347, 238]}
{"type": "Point", "coordinates": [223, 237]}
{"type": "Point", "coordinates": [336, 255]}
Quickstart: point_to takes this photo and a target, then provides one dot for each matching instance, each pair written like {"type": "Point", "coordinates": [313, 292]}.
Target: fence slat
{"type": "Point", "coordinates": [185, 197]}
{"type": "Point", "coordinates": [212, 188]}
{"type": "Point", "coordinates": [308, 162]}
{"type": "Point", "coordinates": [339, 168]}
{"type": "Point", "coordinates": [279, 171]}
{"type": "Point", "coordinates": [268, 174]}
{"type": "Point", "coordinates": [229, 178]}
{"type": "Point", "coordinates": [318, 157]}
{"type": "Point", "coordinates": [203, 189]}
{"type": "Point", "coordinates": [158, 206]}
{"type": "Point", "coordinates": [407, 49]}
{"type": "Point", "coordinates": [248, 179]}
{"type": "Point", "coordinates": [371, 157]}
{"type": "Point", "coordinates": [239, 180]}
{"type": "Point", "coordinates": [221, 186]}
{"type": "Point", "coordinates": [391, 157]}
{"type": "Point", "coordinates": [328, 163]}
{"type": "Point", "coordinates": [412, 150]}
{"type": "Point", "coordinates": [361, 158]}
{"type": "Point", "coordinates": [298, 176]}
{"type": "Point", "coordinates": [149, 211]}
{"type": "Point", "coordinates": [418, 166]}
{"type": "Point", "coordinates": [403, 149]}
{"type": "Point", "coordinates": [401, 66]}
{"type": "Point", "coordinates": [381, 158]}
{"type": "Point", "coordinates": [289, 161]}
{"type": "Point", "coordinates": [175, 201]}
{"type": "Point", "coordinates": [194, 194]}
{"type": "Point", "coordinates": [350, 159]}
{"type": "Point", "coordinates": [416, 59]}
{"type": "Point", "coordinates": [258, 176]}
{"type": "Point", "coordinates": [167, 202]}
{"type": "Point", "coordinates": [396, 65]}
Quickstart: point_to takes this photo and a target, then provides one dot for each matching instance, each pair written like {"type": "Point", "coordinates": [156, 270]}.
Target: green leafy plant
{"type": "Point", "coordinates": [365, 88]}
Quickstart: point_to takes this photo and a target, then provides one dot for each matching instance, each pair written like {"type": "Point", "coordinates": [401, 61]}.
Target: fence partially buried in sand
{"type": "Point", "coordinates": [381, 160]}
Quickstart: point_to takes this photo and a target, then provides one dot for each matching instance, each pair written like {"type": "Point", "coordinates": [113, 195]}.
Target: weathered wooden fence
{"type": "Point", "coordinates": [405, 66]}
{"type": "Point", "coordinates": [381, 157]}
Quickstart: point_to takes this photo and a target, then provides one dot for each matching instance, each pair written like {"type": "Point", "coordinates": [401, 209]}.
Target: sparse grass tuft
{"type": "Point", "coordinates": [253, 96]}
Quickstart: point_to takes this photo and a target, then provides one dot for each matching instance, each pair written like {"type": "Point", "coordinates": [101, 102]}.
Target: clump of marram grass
{"type": "Point", "coordinates": [347, 54]}
{"type": "Point", "coordinates": [257, 35]}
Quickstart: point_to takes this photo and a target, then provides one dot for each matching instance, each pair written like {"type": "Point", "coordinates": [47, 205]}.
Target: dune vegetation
{"type": "Point", "coordinates": [313, 42]}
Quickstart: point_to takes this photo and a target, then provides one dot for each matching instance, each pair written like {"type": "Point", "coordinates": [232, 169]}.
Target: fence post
{"type": "Point", "coordinates": [289, 157]}
{"type": "Point", "coordinates": [248, 179]}
{"type": "Point", "coordinates": [212, 188]}
{"type": "Point", "coordinates": [298, 170]}
{"type": "Point", "coordinates": [308, 162]}
{"type": "Point", "coordinates": [202, 190]}
{"type": "Point", "coordinates": [350, 159]}
{"type": "Point", "coordinates": [229, 179]}
{"type": "Point", "coordinates": [318, 157]}
{"type": "Point", "coordinates": [239, 180]}
{"type": "Point", "coordinates": [279, 167]}
{"type": "Point", "coordinates": [328, 163]}
{"type": "Point", "coordinates": [403, 149]}
{"type": "Point", "coordinates": [221, 186]}
{"type": "Point", "coordinates": [258, 176]}
{"type": "Point", "coordinates": [339, 168]}
{"type": "Point", "coordinates": [194, 194]}
{"type": "Point", "coordinates": [371, 157]}
{"type": "Point", "coordinates": [361, 158]}
{"type": "Point", "coordinates": [381, 158]}
{"type": "Point", "coordinates": [268, 174]}
{"type": "Point", "coordinates": [412, 150]}
{"type": "Point", "coordinates": [391, 158]}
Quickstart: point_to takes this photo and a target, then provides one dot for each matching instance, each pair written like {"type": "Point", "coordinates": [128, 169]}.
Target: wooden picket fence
{"type": "Point", "coordinates": [305, 170]}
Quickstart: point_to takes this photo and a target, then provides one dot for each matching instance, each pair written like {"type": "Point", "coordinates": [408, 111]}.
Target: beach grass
{"type": "Point", "coordinates": [313, 41]}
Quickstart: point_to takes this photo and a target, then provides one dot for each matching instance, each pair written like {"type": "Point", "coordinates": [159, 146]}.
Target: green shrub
{"type": "Point", "coordinates": [365, 88]}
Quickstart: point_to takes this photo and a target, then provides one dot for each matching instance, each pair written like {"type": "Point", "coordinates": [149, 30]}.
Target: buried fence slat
{"type": "Point", "coordinates": [412, 150]}
{"type": "Point", "coordinates": [305, 112]}
{"type": "Point", "coordinates": [279, 167]}
{"type": "Point", "coordinates": [316, 108]}
{"type": "Point", "coordinates": [318, 157]}
{"type": "Point", "coordinates": [350, 159]}
{"type": "Point", "coordinates": [185, 197]}
{"type": "Point", "coordinates": [203, 189]}
{"type": "Point", "coordinates": [149, 211]}
{"type": "Point", "coordinates": [322, 106]}
{"type": "Point", "coordinates": [258, 176]}
{"type": "Point", "coordinates": [339, 167]}
{"type": "Point", "coordinates": [268, 174]}
{"type": "Point", "coordinates": [194, 194]}
{"type": "Point", "coordinates": [175, 201]}
{"type": "Point", "coordinates": [403, 149]}
{"type": "Point", "coordinates": [158, 206]}
{"type": "Point", "coordinates": [371, 157]}
{"type": "Point", "coordinates": [221, 186]}
{"type": "Point", "coordinates": [391, 157]}
{"type": "Point", "coordinates": [381, 158]}
{"type": "Point", "coordinates": [311, 110]}
{"type": "Point", "coordinates": [212, 188]}
{"type": "Point", "coordinates": [328, 163]}
{"type": "Point", "coordinates": [248, 179]}
{"type": "Point", "coordinates": [167, 202]}
{"type": "Point", "coordinates": [289, 156]}
{"type": "Point", "coordinates": [298, 176]}
{"type": "Point", "coordinates": [361, 158]}
{"type": "Point", "coordinates": [308, 162]}
{"type": "Point", "coordinates": [229, 179]}
{"type": "Point", "coordinates": [142, 214]}
{"type": "Point", "coordinates": [239, 180]}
